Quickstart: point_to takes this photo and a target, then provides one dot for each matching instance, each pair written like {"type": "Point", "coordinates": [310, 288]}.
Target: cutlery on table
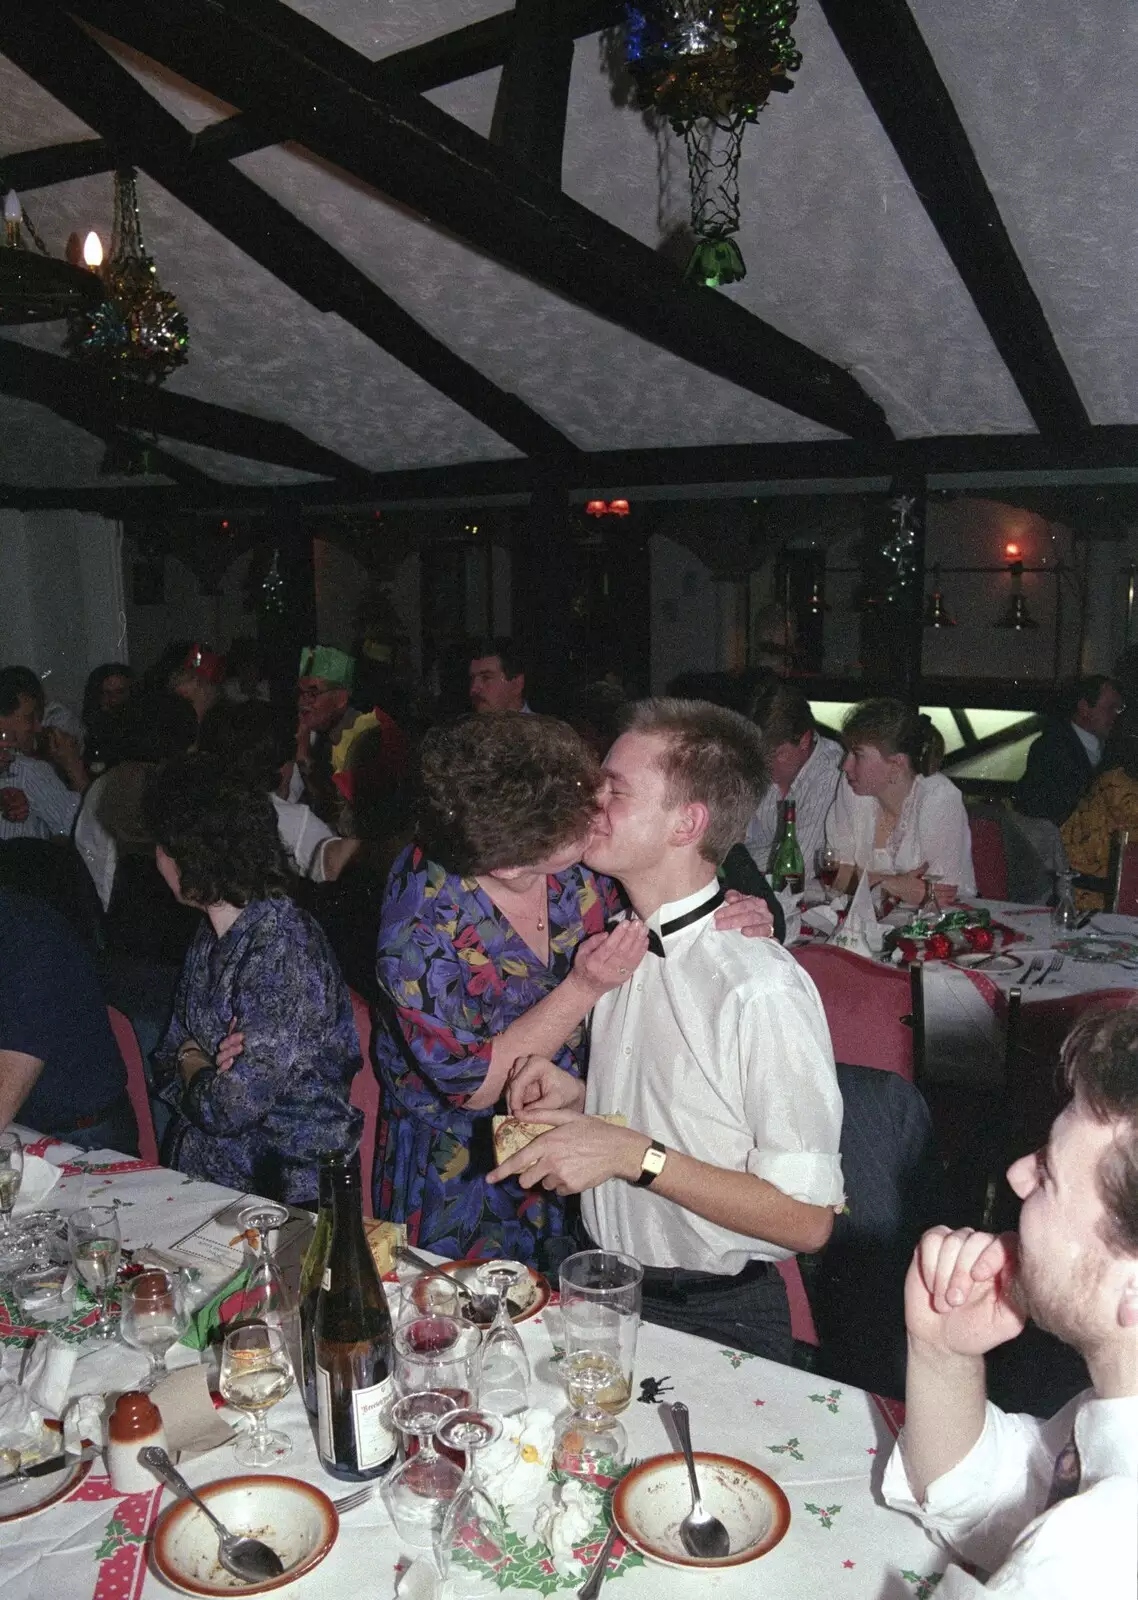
{"type": "Point", "coordinates": [1048, 964]}
{"type": "Point", "coordinates": [349, 1502]}
{"type": "Point", "coordinates": [1055, 968]}
{"type": "Point", "coordinates": [1031, 971]}
{"type": "Point", "coordinates": [249, 1560]}
{"type": "Point", "coordinates": [598, 1572]}
{"type": "Point", "coordinates": [429, 1270]}
{"type": "Point", "coordinates": [1085, 920]}
{"type": "Point", "coordinates": [701, 1534]}
{"type": "Point", "coordinates": [39, 1469]}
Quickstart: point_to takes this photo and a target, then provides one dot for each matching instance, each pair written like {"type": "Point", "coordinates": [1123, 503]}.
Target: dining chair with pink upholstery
{"type": "Point", "coordinates": [875, 1012]}
{"type": "Point", "coordinates": [365, 1097]}
{"type": "Point", "coordinates": [989, 859]}
{"type": "Point", "coordinates": [136, 1085]}
{"type": "Point", "coordinates": [1122, 874]}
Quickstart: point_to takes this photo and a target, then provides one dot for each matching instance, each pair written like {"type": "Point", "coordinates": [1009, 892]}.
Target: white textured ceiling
{"type": "Point", "coordinates": [840, 252]}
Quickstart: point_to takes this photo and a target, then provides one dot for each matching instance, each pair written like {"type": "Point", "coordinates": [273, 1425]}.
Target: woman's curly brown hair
{"type": "Point", "coordinates": [220, 832]}
{"type": "Point", "coordinates": [503, 789]}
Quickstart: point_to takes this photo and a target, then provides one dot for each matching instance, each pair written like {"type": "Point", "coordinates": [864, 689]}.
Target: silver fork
{"type": "Point", "coordinates": [1032, 970]}
{"type": "Point", "coordinates": [1055, 968]}
{"type": "Point", "coordinates": [350, 1501]}
{"type": "Point", "coordinates": [1047, 966]}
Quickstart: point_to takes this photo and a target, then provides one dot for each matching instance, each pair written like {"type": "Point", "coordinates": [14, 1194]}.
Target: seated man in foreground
{"type": "Point", "coordinates": [1048, 1510]}
{"type": "Point", "coordinates": [719, 1057]}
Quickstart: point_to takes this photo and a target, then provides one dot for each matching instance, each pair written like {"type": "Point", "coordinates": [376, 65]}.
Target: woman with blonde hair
{"type": "Point", "coordinates": [895, 815]}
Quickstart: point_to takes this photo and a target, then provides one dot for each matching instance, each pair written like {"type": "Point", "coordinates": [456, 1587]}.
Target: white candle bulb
{"type": "Point", "coordinates": [93, 251]}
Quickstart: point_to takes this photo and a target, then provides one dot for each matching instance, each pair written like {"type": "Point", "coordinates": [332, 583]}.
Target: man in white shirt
{"type": "Point", "coordinates": [804, 768]}
{"type": "Point", "coordinates": [716, 1051]}
{"type": "Point", "coordinates": [34, 802]}
{"type": "Point", "coordinates": [1045, 1510]}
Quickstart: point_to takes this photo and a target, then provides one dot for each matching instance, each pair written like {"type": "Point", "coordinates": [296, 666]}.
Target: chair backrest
{"type": "Point", "coordinates": [1122, 874]}
{"type": "Point", "coordinates": [1034, 1093]}
{"type": "Point", "coordinates": [136, 1085]}
{"type": "Point", "coordinates": [989, 858]}
{"type": "Point", "coordinates": [365, 1097]}
{"type": "Point", "coordinates": [868, 1006]}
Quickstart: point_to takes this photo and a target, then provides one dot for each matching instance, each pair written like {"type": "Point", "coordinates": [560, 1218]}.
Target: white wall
{"type": "Point", "coordinates": [686, 614]}
{"type": "Point", "coordinates": [61, 599]}
{"type": "Point", "coordinates": [187, 612]}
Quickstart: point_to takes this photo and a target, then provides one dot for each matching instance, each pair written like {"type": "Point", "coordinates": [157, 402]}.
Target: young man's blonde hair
{"type": "Point", "coordinates": [712, 756]}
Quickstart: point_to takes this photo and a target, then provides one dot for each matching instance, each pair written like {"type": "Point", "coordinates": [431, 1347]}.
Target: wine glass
{"type": "Point", "coordinates": [505, 1373]}
{"type": "Point", "coordinates": [11, 1172]}
{"type": "Point", "coordinates": [929, 908]}
{"type": "Point", "coordinates": [153, 1317]}
{"type": "Point", "coordinates": [1064, 913]}
{"type": "Point", "coordinates": [589, 1441]}
{"type": "Point", "coordinates": [472, 1541]}
{"type": "Point", "coordinates": [95, 1241]}
{"type": "Point", "coordinates": [255, 1373]}
{"type": "Point", "coordinates": [827, 863]}
{"type": "Point", "coordinates": [440, 1354]}
{"type": "Point", "coordinates": [419, 1492]}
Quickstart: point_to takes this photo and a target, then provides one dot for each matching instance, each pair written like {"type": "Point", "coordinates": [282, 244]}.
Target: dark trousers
{"type": "Point", "coordinates": [746, 1312]}
{"type": "Point", "coordinates": [113, 1128]}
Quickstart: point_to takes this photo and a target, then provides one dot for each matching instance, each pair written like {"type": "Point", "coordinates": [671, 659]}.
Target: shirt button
{"type": "Point", "coordinates": [628, 1049]}
{"type": "Point", "coordinates": [639, 987]}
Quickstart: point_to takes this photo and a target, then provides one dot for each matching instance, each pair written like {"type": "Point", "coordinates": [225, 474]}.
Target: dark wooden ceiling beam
{"type": "Point", "coordinates": [408, 149]}
{"type": "Point", "coordinates": [64, 387]}
{"type": "Point", "coordinates": [61, 57]}
{"type": "Point", "coordinates": [884, 46]}
{"type": "Point", "coordinates": [533, 92]}
{"type": "Point", "coordinates": [55, 163]}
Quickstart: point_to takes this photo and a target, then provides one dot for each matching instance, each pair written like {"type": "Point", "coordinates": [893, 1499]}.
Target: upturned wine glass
{"type": "Point", "coordinates": [472, 1541]}
{"type": "Point", "coordinates": [95, 1241]}
{"type": "Point", "coordinates": [153, 1317]}
{"type": "Point", "coordinates": [589, 1441]}
{"type": "Point", "coordinates": [505, 1374]}
{"type": "Point", "coordinates": [418, 1494]}
{"type": "Point", "coordinates": [255, 1373]}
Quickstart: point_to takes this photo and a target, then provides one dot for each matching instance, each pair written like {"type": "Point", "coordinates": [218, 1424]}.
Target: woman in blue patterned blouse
{"type": "Point", "coordinates": [262, 1048]}
{"type": "Point", "coordinates": [483, 961]}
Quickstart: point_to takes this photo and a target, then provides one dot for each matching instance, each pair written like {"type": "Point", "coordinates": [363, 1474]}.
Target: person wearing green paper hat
{"type": "Point", "coordinates": [328, 726]}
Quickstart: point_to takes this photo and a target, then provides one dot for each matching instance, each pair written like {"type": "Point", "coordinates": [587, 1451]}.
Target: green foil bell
{"type": "Point", "coordinates": [714, 261]}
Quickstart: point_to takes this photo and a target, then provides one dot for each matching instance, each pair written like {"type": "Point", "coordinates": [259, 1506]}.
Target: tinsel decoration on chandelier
{"type": "Point", "coordinates": [138, 331]}
{"type": "Point", "coordinates": [271, 598]}
{"type": "Point", "coordinates": [891, 567]}
{"type": "Point", "coordinates": [710, 69]}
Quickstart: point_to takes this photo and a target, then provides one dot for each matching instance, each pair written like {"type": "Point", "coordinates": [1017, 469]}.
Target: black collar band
{"type": "Point", "coordinates": [656, 940]}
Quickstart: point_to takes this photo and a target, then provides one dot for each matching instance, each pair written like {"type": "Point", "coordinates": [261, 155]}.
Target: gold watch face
{"type": "Point", "coordinates": [653, 1161]}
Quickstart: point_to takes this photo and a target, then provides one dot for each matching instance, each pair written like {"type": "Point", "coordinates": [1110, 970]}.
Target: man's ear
{"type": "Point", "coordinates": [691, 823]}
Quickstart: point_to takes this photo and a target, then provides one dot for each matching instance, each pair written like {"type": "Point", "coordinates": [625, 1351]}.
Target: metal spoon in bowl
{"type": "Point", "coordinates": [702, 1535]}
{"type": "Point", "coordinates": [249, 1560]}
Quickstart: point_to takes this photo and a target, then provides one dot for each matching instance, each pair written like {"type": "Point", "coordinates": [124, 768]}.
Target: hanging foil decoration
{"type": "Point", "coordinates": [271, 600]}
{"type": "Point", "coordinates": [137, 332]}
{"type": "Point", "coordinates": [710, 69]}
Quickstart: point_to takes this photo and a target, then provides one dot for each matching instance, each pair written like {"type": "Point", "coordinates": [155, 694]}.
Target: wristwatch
{"type": "Point", "coordinates": [651, 1166]}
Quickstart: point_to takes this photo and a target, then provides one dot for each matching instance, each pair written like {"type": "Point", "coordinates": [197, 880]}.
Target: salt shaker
{"type": "Point", "coordinates": [135, 1422]}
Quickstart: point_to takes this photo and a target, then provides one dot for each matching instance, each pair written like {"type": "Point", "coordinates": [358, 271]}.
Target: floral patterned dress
{"type": "Point", "coordinates": [452, 974]}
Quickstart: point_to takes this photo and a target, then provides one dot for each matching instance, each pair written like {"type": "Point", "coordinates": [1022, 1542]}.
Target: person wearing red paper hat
{"type": "Point", "coordinates": [199, 678]}
{"type": "Point", "coordinates": [334, 762]}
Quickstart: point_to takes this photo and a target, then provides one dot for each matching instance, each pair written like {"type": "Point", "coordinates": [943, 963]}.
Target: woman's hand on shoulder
{"type": "Point", "coordinates": [535, 1084]}
{"type": "Point", "coordinates": [746, 914]}
{"type": "Point", "coordinates": [609, 959]}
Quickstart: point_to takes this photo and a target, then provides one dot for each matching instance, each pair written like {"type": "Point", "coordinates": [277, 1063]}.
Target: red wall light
{"type": "Point", "coordinates": [595, 508]}
{"type": "Point", "coordinates": [1012, 551]}
{"type": "Point", "coordinates": [618, 508]}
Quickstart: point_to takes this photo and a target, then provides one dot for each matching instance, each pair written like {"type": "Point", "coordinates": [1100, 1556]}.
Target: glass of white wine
{"type": "Point", "coordinates": [11, 1172]}
{"type": "Point", "coordinates": [95, 1241]}
{"type": "Point", "coordinates": [255, 1373]}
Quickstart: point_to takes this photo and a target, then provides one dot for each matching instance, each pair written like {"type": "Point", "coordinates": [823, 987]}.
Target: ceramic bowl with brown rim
{"type": "Point", "coordinates": [653, 1499]}
{"type": "Point", "coordinates": [295, 1519]}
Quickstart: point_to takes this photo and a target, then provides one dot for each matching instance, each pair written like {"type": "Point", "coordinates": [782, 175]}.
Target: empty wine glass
{"type": "Point", "coordinates": [153, 1317]}
{"type": "Point", "coordinates": [255, 1373]}
{"type": "Point", "coordinates": [929, 908]}
{"type": "Point", "coordinates": [11, 1173]}
{"type": "Point", "coordinates": [95, 1241]}
{"type": "Point", "coordinates": [1064, 913]}
{"type": "Point", "coordinates": [472, 1541]}
{"type": "Point", "coordinates": [589, 1441]}
{"type": "Point", "coordinates": [418, 1494]}
{"type": "Point", "coordinates": [505, 1373]}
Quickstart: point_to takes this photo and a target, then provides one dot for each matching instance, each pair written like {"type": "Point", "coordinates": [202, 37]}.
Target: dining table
{"type": "Point", "coordinates": [825, 1444]}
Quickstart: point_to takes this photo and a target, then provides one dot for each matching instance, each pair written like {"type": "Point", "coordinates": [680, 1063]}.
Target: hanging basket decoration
{"type": "Point", "coordinates": [710, 69]}
{"type": "Point", "coordinates": [137, 331]}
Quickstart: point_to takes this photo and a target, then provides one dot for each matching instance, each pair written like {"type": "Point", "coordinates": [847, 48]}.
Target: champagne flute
{"type": "Point", "coordinates": [11, 1172]}
{"type": "Point", "coordinates": [153, 1318]}
{"type": "Point", "coordinates": [505, 1371]}
{"type": "Point", "coordinates": [95, 1240]}
{"type": "Point", "coordinates": [255, 1373]}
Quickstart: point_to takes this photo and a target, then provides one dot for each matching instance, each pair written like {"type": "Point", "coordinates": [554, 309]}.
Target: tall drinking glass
{"type": "Point", "coordinates": [95, 1240]}
{"type": "Point", "coordinates": [600, 1309]}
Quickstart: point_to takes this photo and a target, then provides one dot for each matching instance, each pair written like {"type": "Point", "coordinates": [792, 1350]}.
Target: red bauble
{"type": "Point", "coordinates": [908, 949]}
{"type": "Point", "coordinates": [939, 947]}
{"type": "Point", "coordinates": [979, 938]}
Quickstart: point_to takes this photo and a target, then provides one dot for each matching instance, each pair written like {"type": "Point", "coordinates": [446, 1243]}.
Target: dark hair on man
{"type": "Point", "coordinates": [503, 789]}
{"type": "Point", "coordinates": [15, 681]}
{"type": "Point", "coordinates": [782, 713]}
{"type": "Point", "coordinates": [1100, 1062]}
{"type": "Point", "coordinates": [896, 728]}
{"type": "Point", "coordinates": [508, 651]}
{"type": "Point", "coordinates": [221, 834]}
{"type": "Point", "coordinates": [250, 740]}
{"type": "Point", "coordinates": [95, 681]}
{"type": "Point", "coordinates": [157, 725]}
{"type": "Point", "coordinates": [712, 756]}
{"type": "Point", "coordinates": [1071, 694]}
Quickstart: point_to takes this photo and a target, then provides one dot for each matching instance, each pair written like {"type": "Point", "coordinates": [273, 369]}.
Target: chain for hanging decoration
{"type": "Point", "coordinates": [138, 331]}
{"type": "Point", "coordinates": [710, 69]}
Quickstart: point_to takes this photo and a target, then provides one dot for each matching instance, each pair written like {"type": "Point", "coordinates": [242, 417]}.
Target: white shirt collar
{"type": "Point", "coordinates": [679, 908]}
{"type": "Point", "coordinates": [1090, 744]}
{"type": "Point", "coordinates": [1106, 1432]}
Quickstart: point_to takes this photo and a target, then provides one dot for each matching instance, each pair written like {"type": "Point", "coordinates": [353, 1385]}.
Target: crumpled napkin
{"type": "Point", "coordinates": [48, 1375]}
{"type": "Point", "coordinates": [83, 1419]}
{"type": "Point", "coordinates": [860, 932]}
{"type": "Point", "coordinates": [565, 1522]}
{"type": "Point", "coordinates": [515, 1467]}
{"type": "Point", "coordinates": [21, 1420]}
{"type": "Point", "coordinates": [39, 1178]}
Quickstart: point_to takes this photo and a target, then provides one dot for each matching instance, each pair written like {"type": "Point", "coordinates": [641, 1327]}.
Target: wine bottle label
{"type": "Point", "coordinates": [324, 1414]}
{"type": "Point", "coordinates": [371, 1408]}
{"type": "Point", "coordinates": [326, 1281]}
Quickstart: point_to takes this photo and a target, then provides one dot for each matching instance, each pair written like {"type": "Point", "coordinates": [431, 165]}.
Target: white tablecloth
{"type": "Point", "coordinates": [965, 1011]}
{"type": "Point", "coordinates": [825, 1445]}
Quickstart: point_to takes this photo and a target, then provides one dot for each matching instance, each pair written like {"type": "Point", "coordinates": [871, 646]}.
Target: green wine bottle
{"type": "Point", "coordinates": [788, 870]}
{"type": "Point", "coordinates": [312, 1272]}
